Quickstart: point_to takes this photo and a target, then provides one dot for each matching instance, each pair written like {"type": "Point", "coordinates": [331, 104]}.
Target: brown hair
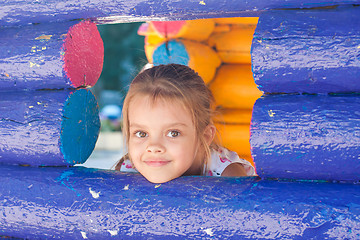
{"type": "Point", "coordinates": [174, 82]}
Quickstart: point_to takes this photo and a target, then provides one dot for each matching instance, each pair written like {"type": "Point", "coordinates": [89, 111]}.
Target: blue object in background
{"type": "Point", "coordinates": [80, 203]}
{"type": "Point", "coordinates": [171, 52]}
{"type": "Point", "coordinates": [315, 51]}
{"type": "Point", "coordinates": [48, 128]}
{"type": "Point", "coordinates": [111, 112]}
{"type": "Point", "coordinates": [307, 137]}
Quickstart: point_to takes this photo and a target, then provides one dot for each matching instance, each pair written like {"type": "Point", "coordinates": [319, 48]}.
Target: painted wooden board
{"type": "Point", "coordinates": [50, 56]}
{"type": "Point", "coordinates": [28, 11]}
{"type": "Point", "coordinates": [48, 128]}
{"type": "Point", "coordinates": [307, 137]}
{"type": "Point", "coordinates": [307, 51]}
{"type": "Point", "coordinates": [80, 203]}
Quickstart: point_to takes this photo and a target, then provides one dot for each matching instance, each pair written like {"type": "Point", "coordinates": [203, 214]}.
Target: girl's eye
{"type": "Point", "coordinates": [140, 134]}
{"type": "Point", "coordinates": [173, 134]}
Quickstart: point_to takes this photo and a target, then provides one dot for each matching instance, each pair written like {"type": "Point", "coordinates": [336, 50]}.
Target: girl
{"type": "Point", "coordinates": [168, 128]}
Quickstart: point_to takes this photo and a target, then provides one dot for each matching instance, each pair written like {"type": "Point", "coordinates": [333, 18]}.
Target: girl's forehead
{"type": "Point", "coordinates": [149, 101]}
{"type": "Point", "coordinates": [142, 101]}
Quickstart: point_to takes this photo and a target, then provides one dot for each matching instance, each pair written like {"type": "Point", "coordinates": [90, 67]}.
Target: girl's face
{"type": "Point", "coordinates": [162, 143]}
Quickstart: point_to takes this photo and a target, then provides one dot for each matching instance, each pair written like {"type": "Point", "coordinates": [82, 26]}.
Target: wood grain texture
{"type": "Point", "coordinates": [70, 203]}
{"type": "Point", "coordinates": [314, 51]}
{"type": "Point", "coordinates": [50, 56]}
{"type": "Point", "coordinates": [307, 137]}
{"type": "Point", "coordinates": [47, 128]}
{"type": "Point", "coordinates": [22, 12]}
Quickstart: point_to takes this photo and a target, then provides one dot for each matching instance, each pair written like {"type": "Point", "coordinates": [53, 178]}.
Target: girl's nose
{"type": "Point", "coordinates": [155, 148]}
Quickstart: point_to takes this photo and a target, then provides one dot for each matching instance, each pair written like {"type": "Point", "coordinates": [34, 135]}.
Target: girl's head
{"type": "Point", "coordinates": [160, 101]}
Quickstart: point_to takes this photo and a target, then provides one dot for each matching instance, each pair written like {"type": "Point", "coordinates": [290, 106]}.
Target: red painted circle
{"type": "Point", "coordinates": [169, 28]}
{"type": "Point", "coordinates": [84, 54]}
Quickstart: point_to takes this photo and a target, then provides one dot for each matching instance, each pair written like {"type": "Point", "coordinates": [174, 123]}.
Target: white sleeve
{"type": "Point", "coordinates": [127, 167]}
{"type": "Point", "coordinates": [222, 158]}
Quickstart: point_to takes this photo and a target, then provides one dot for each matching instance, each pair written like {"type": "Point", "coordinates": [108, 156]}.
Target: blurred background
{"type": "Point", "coordinates": [124, 57]}
{"type": "Point", "coordinates": [218, 49]}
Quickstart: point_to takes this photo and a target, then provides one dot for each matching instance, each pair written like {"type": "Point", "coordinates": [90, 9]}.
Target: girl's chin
{"type": "Point", "coordinates": [159, 179]}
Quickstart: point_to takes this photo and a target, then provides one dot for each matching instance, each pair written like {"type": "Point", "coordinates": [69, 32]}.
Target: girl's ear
{"type": "Point", "coordinates": [209, 133]}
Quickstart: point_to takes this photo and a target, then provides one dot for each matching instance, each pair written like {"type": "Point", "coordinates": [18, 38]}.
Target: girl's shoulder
{"type": "Point", "coordinates": [223, 157]}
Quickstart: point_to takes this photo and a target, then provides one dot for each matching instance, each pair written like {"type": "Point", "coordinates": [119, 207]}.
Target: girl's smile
{"type": "Point", "coordinates": [156, 162]}
{"type": "Point", "coordinates": [163, 144]}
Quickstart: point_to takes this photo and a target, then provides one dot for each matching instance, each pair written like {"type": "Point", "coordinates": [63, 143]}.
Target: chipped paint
{"type": "Point", "coordinates": [158, 185]}
{"type": "Point", "coordinates": [83, 234]}
{"type": "Point", "coordinates": [126, 187]}
{"type": "Point", "coordinates": [34, 64]}
{"type": "Point", "coordinates": [113, 232]}
{"type": "Point", "coordinates": [94, 194]}
{"type": "Point", "coordinates": [44, 37]}
{"type": "Point", "coordinates": [209, 232]}
{"type": "Point", "coordinates": [202, 3]}
{"type": "Point", "coordinates": [271, 113]}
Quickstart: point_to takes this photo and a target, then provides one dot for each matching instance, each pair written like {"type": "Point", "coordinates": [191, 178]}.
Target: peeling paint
{"type": "Point", "coordinates": [44, 37]}
{"type": "Point", "coordinates": [83, 234]}
{"type": "Point", "coordinates": [113, 232]}
{"type": "Point", "coordinates": [94, 194]}
{"type": "Point", "coordinates": [271, 113]}
{"type": "Point", "coordinates": [209, 232]}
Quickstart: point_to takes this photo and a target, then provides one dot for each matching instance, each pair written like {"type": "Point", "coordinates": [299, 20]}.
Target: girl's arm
{"type": "Point", "coordinates": [234, 170]}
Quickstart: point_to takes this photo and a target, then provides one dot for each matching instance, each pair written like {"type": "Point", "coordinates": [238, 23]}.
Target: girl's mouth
{"type": "Point", "coordinates": [156, 163]}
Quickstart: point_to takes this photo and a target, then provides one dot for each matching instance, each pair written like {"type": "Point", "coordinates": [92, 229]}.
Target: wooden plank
{"type": "Point", "coordinates": [307, 51]}
{"type": "Point", "coordinates": [50, 56]}
{"type": "Point", "coordinates": [28, 11]}
{"type": "Point", "coordinates": [48, 128]}
{"type": "Point", "coordinates": [80, 203]}
{"type": "Point", "coordinates": [307, 137]}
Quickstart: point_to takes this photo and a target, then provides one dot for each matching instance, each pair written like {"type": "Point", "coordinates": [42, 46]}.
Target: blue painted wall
{"type": "Point", "coordinates": [80, 203]}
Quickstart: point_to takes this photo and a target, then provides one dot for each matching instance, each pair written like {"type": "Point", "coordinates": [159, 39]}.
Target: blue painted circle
{"type": "Point", "coordinates": [80, 126]}
{"type": "Point", "coordinates": [171, 52]}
